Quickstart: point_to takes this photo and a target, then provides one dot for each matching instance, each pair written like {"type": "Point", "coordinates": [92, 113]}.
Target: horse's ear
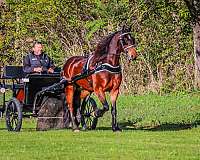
{"type": "Point", "coordinates": [129, 29]}
{"type": "Point", "coordinates": [123, 28]}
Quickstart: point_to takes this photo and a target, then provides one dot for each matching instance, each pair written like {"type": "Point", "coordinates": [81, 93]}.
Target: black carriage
{"type": "Point", "coordinates": [29, 93]}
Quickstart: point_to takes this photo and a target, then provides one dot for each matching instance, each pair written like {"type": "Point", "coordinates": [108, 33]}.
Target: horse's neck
{"type": "Point", "coordinates": [113, 59]}
{"type": "Point", "coordinates": [113, 55]}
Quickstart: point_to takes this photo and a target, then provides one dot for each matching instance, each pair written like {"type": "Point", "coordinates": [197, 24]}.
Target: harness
{"type": "Point", "coordinates": [109, 68]}
{"type": "Point", "coordinates": [101, 67]}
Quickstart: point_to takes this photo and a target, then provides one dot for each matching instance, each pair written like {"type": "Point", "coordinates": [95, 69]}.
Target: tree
{"type": "Point", "coordinates": [194, 8]}
{"type": "Point", "coordinates": [161, 28]}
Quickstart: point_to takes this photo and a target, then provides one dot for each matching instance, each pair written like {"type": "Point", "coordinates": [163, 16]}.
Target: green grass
{"type": "Point", "coordinates": [155, 127]}
{"type": "Point", "coordinates": [153, 111]}
{"type": "Point", "coordinates": [65, 144]}
{"type": "Point", "coordinates": [8, 95]}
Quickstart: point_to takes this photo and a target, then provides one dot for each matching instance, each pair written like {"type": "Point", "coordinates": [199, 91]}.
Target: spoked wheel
{"type": "Point", "coordinates": [13, 115]}
{"type": "Point", "coordinates": [88, 121]}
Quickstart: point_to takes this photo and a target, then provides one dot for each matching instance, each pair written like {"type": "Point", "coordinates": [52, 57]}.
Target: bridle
{"type": "Point", "coordinates": [122, 41]}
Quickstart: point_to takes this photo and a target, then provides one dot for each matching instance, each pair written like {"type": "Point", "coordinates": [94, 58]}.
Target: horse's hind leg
{"type": "Point", "coordinates": [69, 92]}
{"type": "Point", "coordinates": [113, 96]}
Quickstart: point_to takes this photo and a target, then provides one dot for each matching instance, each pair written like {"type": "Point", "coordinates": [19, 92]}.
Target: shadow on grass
{"type": "Point", "coordinates": [131, 126]}
{"type": "Point", "coordinates": [162, 127]}
{"type": "Point", "coordinates": [22, 129]}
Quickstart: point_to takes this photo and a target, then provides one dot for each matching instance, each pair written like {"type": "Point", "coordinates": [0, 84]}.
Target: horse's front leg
{"type": "Point", "coordinates": [113, 96]}
{"type": "Point", "coordinates": [69, 92]}
{"type": "Point", "coordinates": [102, 97]}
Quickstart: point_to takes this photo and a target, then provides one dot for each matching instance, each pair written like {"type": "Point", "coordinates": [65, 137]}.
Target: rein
{"type": "Point", "coordinates": [128, 47]}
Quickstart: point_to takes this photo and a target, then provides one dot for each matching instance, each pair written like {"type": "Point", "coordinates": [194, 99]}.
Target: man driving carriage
{"type": "Point", "coordinates": [37, 61]}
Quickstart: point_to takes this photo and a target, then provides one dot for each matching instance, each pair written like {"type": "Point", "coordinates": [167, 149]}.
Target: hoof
{"type": "Point", "coordinates": [98, 113]}
{"type": "Point", "coordinates": [116, 129]}
{"type": "Point", "coordinates": [84, 129]}
{"type": "Point", "coordinates": [76, 130]}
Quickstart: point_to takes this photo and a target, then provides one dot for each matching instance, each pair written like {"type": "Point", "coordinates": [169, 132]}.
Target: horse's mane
{"type": "Point", "coordinates": [102, 46]}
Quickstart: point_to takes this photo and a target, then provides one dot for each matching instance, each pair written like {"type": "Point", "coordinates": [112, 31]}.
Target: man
{"type": "Point", "coordinates": [37, 61]}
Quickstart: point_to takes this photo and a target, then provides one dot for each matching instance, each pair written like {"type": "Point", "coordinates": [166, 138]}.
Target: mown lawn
{"type": "Point", "coordinates": [154, 127]}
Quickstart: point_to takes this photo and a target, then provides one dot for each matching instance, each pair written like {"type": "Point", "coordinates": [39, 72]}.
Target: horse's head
{"type": "Point", "coordinates": [120, 41]}
{"type": "Point", "coordinates": [127, 43]}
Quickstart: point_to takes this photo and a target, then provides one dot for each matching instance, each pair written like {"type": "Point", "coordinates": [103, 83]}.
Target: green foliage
{"type": "Point", "coordinates": [94, 26]}
{"type": "Point", "coordinates": [161, 28]}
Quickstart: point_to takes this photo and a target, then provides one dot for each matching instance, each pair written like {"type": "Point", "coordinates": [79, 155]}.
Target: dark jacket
{"type": "Point", "coordinates": [32, 61]}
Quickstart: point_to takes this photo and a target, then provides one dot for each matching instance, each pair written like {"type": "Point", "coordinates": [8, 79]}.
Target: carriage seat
{"type": "Point", "coordinates": [13, 72]}
{"type": "Point", "coordinates": [16, 72]}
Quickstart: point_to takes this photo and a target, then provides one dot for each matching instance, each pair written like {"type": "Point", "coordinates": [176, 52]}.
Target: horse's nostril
{"type": "Point", "coordinates": [133, 57]}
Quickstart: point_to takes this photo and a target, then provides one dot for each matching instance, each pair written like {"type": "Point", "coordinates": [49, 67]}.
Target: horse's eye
{"type": "Point", "coordinates": [126, 40]}
{"type": "Point", "coordinates": [131, 39]}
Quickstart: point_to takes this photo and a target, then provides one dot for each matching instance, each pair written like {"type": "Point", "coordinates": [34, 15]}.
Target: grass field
{"type": "Point", "coordinates": [154, 127]}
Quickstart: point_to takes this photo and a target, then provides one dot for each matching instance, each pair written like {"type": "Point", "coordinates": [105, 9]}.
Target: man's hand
{"type": "Point", "coordinates": [37, 69]}
{"type": "Point", "coordinates": [50, 70]}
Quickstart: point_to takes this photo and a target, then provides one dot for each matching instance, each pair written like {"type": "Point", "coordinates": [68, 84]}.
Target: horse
{"type": "Point", "coordinates": [106, 75]}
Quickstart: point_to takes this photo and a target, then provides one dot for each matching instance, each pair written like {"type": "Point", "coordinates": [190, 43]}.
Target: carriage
{"type": "Point", "coordinates": [29, 93]}
{"type": "Point", "coordinates": [98, 73]}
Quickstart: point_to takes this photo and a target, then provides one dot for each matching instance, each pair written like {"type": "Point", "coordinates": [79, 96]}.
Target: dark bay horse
{"type": "Point", "coordinates": [105, 61]}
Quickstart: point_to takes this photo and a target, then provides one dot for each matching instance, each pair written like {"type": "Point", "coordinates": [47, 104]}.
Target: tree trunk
{"type": "Point", "coordinates": [196, 37]}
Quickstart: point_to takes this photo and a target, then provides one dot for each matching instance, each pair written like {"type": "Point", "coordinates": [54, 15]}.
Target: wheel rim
{"type": "Point", "coordinates": [87, 114]}
{"type": "Point", "coordinates": [89, 120]}
{"type": "Point", "coordinates": [12, 115]}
